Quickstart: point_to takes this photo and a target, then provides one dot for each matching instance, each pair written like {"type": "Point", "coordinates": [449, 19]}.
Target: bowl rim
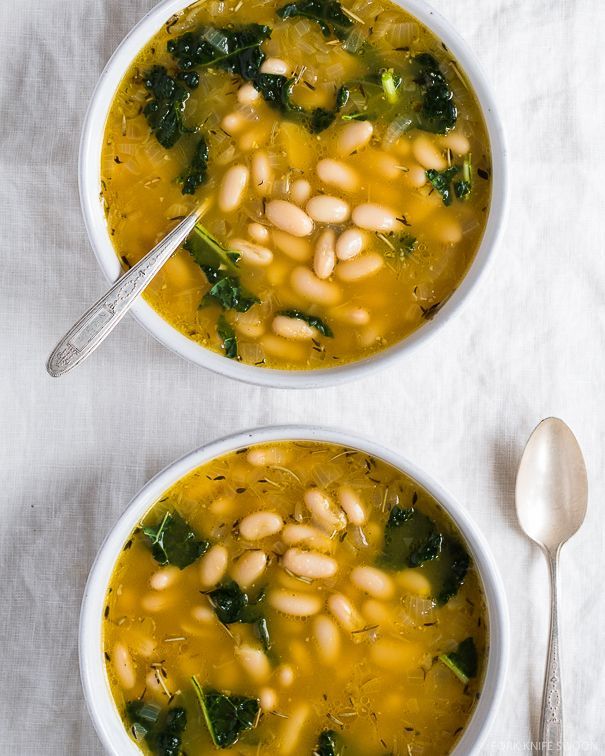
{"type": "Point", "coordinates": [89, 179]}
{"type": "Point", "coordinates": [100, 704]}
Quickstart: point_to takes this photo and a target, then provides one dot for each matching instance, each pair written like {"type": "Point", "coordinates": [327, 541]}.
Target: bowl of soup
{"type": "Point", "coordinates": [293, 590]}
{"type": "Point", "coordinates": [348, 163]}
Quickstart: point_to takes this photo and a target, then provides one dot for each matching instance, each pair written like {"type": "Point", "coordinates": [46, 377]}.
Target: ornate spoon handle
{"type": "Point", "coordinates": [96, 324]}
{"type": "Point", "coordinates": [551, 721]}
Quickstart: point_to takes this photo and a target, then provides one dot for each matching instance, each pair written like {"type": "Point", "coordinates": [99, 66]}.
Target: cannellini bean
{"type": "Point", "coordinates": [213, 566]}
{"type": "Point", "coordinates": [288, 217]}
{"type": "Point", "coordinates": [326, 209]}
{"type": "Point", "coordinates": [232, 188]}
{"type": "Point", "coordinates": [414, 582]}
{"type": "Point", "coordinates": [297, 248]}
{"type": "Point", "coordinates": [292, 728]}
{"type": "Point", "coordinates": [223, 505]}
{"type": "Point", "coordinates": [416, 176]}
{"type": "Point", "coordinates": [249, 568]}
{"type": "Point", "coordinates": [360, 267]}
{"type": "Point", "coordinates": [295, 604]}
{"type": "Point", "coordinates": [261, 456]}
{"type": "Point", "coordinates": [350, 243]}
{"type": "Point", "coordinates": [123, 666]}
{"type": "Point", "coordinates": [285, 349]}
{"type": "Point", "coordinates": [293, 328]}
{"type": "Point", "coordinates": [300, 191]}
{"type": "Point", "coordinates": [350, 503]}
{"type": "Point", "coordinates": [392, 654]}
{"type": "Point", "coordinates": [254, 662]}
{"type": "Point", "coordinates": [258, 233]}
{"type": "Point", "coordinates": [308, 285]}
{"type": "Point", "coordinates": [203, 614]}
{"type": "Point", "coordinates": [309, 564]}
{"type": "Point", "coordinates": [295, 533]}
{"type": "Point", "coordinates": [262, 174]}
{"type": "Point", "coordinates": [354, 136]}
{"type": "Point", "coordinates": [268, 699]}
{"type": "Point", "coordinates": [457, 142]}
{"type": "Point", "coordinates": [253, 138]}
{"type": "Point", "coordinates": [164, 578]}
{"type": "Point", "coordinates": [377, 613]}
{"type": "Point", "coordinates": [327, 637]}
{"type": "Point", "coordinates": [233, 122]}
{"type": "Point", "coordinates": [338, 174]}
{"type": "Point", "coordinates": [344, 612]}
{"type": "Point", "coordinates": [247, 94]}
{"type": "Point", "coordinates": [252, 254]}
{"type": "Point", "coordinates": [374, 217]}
{"type": "Point", "coordinates": [259, 525]}
{"type": "Point", "coordinates": [157, 602]}
{"type": "Point", "coordinates": [448, 230]}
{"type": "Point", "coordinates": [275, 66]}
{"type": "Point", "coordinates": [427, 154]}
{"type": "Point", "coordinates": [373, 581]}
{"type": "Point", "coordinates": [325, 256]}
{"type": "Point", "coordinates": [351, 314]}
{"type": "Point", "coordinates": [324, 511]}
{"type": "Point", "coordinates": [386, 165]}
{"type": "Point", "coordinates": [285, 675]}
{"type": "Point", "coordinates": [250, 329]}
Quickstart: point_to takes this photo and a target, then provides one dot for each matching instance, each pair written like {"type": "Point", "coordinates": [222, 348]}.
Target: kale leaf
{"type": "Point", "coordinates": [458, 561]}
{"type": "Point", "coordinates": [164, 737]}
{"type": "Point", "coordinates": [236, 50]}
{"type": "Point", "coordinates": [312, 320]}
{"type": "Point", "coordinates": [174, 542]}
{"type": "Point", "coordinates": [229, 603]}
{"type": "Point", "coordinates": [208, 252]}
{"type": "Point", "coordinates": [400, 245]}
{"type": "Point", "coordinates": [328, 13]}
{"type": "Point", "coordinates": [227, 335]}
{"type": "Point", "coordinates": [438, 113]}
{"type": "Point", "coordinates": [197, 172]}
{"type": "Point", "coordinates": [165, 111]}
{"type": "Point", "coordinates": [443, 182]}
{"type": "Point", "coordinates": [463, 661]}
{"type": "Point", "coordinates": [329, 743]}
{"type": "Point", "coordinates": [426, 551]}
{"type": "Point", "coordinates": [226, 716]}
{"type": "Point", "coordinates": [229, 293]}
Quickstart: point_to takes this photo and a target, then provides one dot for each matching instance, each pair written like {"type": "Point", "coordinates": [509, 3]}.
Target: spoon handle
{"type": "Point", "coordinates": [551, 721]}
{"type": "Point", "coordinates": [98, 322]}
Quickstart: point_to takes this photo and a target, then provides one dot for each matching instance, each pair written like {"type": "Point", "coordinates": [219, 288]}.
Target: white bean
{"type": "Point", "coordinates": [308, 285]}
{"type": "Point", "coordinates": [360, 267]}
{"type": "Point", "coordinates": [295, 604]}
{"type": "Point", "coordinates": [275, 66]}
{"type": "Point", "coordinates": [268, 699]}
{"type": "Point", "coordinates": [254, 662]}
{"type": "Point", "coordinates": [252, 254]}
{"type": "Point", "coordinates": [354, 136]}
{"type": "Point", "coordinates": [293, 328]}
{"type": "Point", "coordinates": [259, 525]}
{"type": "Point", "coordinates": [338, 174]}
{"type": "Point", "coordinates": [449, 231]}
{"type": "Point", "coordinates": [325, 255]}
{"type": "Point", "coordinates": [285, 675]}
{"type": "Point", "coordinates": [309, 564]}
{"type": "Point", "coordinates": [386, 165]}
{"type": "Point", "coordinates": [416, 176]}
{"type": "Point", "coordinates": [324, 511]}
{"type": "Point", "coordinates": [213, 566]}
{"type": "Point", "coordinates": [456, 142]}
{"type": "Point", "coordinates": [164, 578]}
{"type": "Point", "coordinates": [258, 233]}
{"type": "Point", "coordinates": [157, 602]}
{"type": "Point", "coordinates": [350, 502]}
{"type": "Point", "coordinates": [249, 568]}
{"type": "Point", "coordinates": [374, 217]}
{"type": "Point", "coordinates": [261, 456]}
{"type": "Point", "coordinates": [427, 154]}
{"type": "Point", "coordinates": [300, 191]}
{"type": "Point", "coordinates": [292, 728]}
{"type": "Point", "coordinates": [295, 533]}
{"type": "Point", "coordinates": [123, 666]}
{"type": "Point", "coordinates": [373, 581]}
{"type": "Point", "coordinates": [247, 94]}
{"type": "Point", "coordinates": [297, 248]}
{"type": "Point", "coordinates": [262, 174]}
{"type": "Point", "coordinates": [327, 637]}
{"type": "Point", "coordinates": [351, 314]}
{"type": "Point", "coordinates": [204, 615]}
{"type": "Point", "coordinates": [288, 217]}
{"type": "Point", "coordinates": [233, 122]}
{"type": "Point", "coordinates": [350, 243]}
{"type": "Point", "coordinates": [345, 613]}
{"type": "Point", "coordinates": [414, 582]}
{"type": "Point", "coordinates": [326, 209]}
{"type": "Point", "coordinates": [232, 188]}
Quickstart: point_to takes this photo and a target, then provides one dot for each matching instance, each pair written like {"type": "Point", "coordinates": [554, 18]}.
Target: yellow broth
{"type": "Point", "coordinates": [375, 676]}
{"type": "Point", "coordinates": [369, 302]}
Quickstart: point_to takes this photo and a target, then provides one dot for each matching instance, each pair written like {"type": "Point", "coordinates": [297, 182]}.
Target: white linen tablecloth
{"type": "Point", "coordinates": [531, 343]}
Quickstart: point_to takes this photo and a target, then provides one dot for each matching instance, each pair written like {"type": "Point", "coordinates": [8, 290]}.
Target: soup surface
{"type": "Point", "coordinates": [340, 161]}
{"type": "Point", "coordinates": [295, 598]}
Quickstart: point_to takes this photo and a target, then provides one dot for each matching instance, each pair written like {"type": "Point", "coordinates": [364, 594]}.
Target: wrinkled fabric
{"type": "Point", "coordinates": [529, 344]}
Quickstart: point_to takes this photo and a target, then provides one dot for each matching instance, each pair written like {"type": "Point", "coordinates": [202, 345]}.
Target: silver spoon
{"type": "Point", "coordinates": [96, 324]}
{"type": "Point", "coordinates": [551, 495]}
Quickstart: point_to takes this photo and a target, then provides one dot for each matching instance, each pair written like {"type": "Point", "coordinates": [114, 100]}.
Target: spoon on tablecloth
{"type": "Point", "coordinates": [96, 324]}
{"type": "Point", "coordinates": [551, 495]}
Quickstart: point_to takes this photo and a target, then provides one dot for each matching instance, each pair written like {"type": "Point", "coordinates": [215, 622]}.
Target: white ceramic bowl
{"type": "Point", "coordinates": [90, 187]}
{"type": "Point", "coordinates": [104, 714]}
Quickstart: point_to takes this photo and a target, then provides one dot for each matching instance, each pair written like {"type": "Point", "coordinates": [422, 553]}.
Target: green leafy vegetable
{"type": "Point", "coordinates": [438, 113]}
{"type": "Point", "coordinates": [229, 602]}
{"type": "Point", "coordinates": [197, 173]}
{"type": "Point", "coordinates": [456, 563]}
{"type": "Point", "coordinates": [443, 182]}
{"type": "Point", "coordinates": [208, 252]}
{"type": "Point", "coordinates": [427, 550]}
{"type": "Point", "coordinates": [329, 744]}
{"type": "Point", "coordinates": [174, 542]}
{"type": "Point", "coordinates": [390, 84]}
{"type": "Point", "coordinates": [236, 50]}
{"type": "Point", "coordinates": [464, 187]}
{"type": "Point", "coordinates": [328, 13]}
{"type": "Point", "coordinates": [229, 293]}
{"type": "Point", "coordinates": [312, 320]}
{"type": "Point", "coordinates": [400, 246]}
{"type": "Point", "coordinates": [462, 661]}
{"type": "Point", "coordinates": [165, 111]}
{"type": "Point", "coordinates": [227, 335]}
{"type": "Point", "coordinates": [226, 716]}
{"type": "Point", "coordinates": [163, 734]}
